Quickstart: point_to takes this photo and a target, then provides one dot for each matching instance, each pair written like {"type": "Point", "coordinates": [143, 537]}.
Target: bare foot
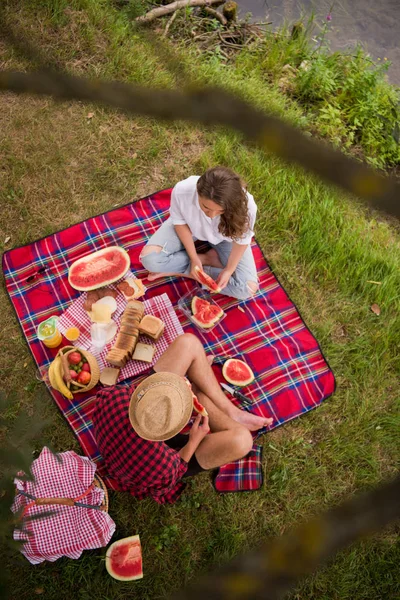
{"type": "Point", "coordinates": [211, 259]}
{"type": "Point", "coordinates": [249, 420]}
{"type": "Point", "coordinates": [154, 276]}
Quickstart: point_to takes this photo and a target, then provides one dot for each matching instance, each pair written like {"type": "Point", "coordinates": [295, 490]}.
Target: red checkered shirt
{"type": "Point", "coordinates": [141, 467]}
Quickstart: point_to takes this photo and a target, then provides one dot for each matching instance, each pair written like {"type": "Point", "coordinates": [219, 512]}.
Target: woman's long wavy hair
{"type": "Point", "coordinates": [224, 187]}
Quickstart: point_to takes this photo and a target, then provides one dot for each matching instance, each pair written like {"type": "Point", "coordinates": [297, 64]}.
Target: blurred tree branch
{"type": "Point", "coordinates": [212, 106]}
{"type": "Point", "coordinates": [270, 572]}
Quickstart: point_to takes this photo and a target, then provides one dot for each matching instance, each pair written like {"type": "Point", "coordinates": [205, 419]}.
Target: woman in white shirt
{"type": "Point", "coordinates": [214, 208]}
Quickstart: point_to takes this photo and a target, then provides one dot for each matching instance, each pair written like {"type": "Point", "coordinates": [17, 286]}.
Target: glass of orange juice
{"type": "Point", "coordinates": [72, 334]}
{"type": "Point", "coordinates": [48, 333]}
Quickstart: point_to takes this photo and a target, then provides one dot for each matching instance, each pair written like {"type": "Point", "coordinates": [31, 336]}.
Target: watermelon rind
{"type": "Point", "coordinates": [198, 303]}
{"type": "Point", "coordinates": [203, 325]}
{"type": "Point", "coordinates": [133, 539]}
{"type": "Point", "coordinates": [93, 257]}
{"type": "Point", "coordinates": [231, 372]}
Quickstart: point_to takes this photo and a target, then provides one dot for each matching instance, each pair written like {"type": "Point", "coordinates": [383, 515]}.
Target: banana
{"type": "Point", "coordinates": [59, 381]}
{"type": "Point", "coordinates": [52, 377]}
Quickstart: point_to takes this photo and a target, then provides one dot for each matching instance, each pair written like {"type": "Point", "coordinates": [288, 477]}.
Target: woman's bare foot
{"type": "Point", "coordinates": [211, 259]}
{"type": "Point", "coordinates": [154, 276]}
{"type": "Point", "coordinates": [249, 420]}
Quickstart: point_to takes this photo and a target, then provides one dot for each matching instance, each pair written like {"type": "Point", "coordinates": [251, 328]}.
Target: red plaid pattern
{"type": "Point", "coordinates": [69, 529]}
{"type": "Point", "coordinates": [291, 374]}
{"type": "Point", "coordinates": [244, 475]}
{"type": "Point", "coordinates": [158, 306]}
{"type": "Point", "coordinates": [141, 467]}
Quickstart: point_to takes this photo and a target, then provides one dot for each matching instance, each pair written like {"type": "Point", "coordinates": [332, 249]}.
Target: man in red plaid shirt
{"type": "Point", "coordinates": [157, 469]}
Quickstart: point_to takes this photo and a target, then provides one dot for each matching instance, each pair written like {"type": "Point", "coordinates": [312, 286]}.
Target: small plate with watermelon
{"type": "Point", "coordinates": [199, 307]}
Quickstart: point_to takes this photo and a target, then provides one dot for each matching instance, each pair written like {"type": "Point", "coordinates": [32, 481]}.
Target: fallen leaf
{"type": "Point", "coordinates": [8, 238]}
{"type": "Point", "coordinates": [375, 309]}
{"type": "Point", "coordinates": [378, 427]}
{"type": "Point", "coordinates": [90, 115]}
{"type": "Point", "coordinates": [39, 590]}
{"type": "Point", "coordinates": [25, 365]}
{"type": "Point", "coordinates": [134, 155]}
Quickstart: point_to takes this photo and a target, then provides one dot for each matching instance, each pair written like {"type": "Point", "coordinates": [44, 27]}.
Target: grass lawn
{"type": "Point", "coordinates": [59, 167]}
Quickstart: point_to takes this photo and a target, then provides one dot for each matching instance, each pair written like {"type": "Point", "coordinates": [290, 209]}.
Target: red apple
{"type": "Point", "coordinates": [86, 367]}
{"type": "Point", "coordinates": [84, 377]}
{"type": "Point", "coordinates": [73, 374]}
{"type": "Point", "coordinates": [74, 358]}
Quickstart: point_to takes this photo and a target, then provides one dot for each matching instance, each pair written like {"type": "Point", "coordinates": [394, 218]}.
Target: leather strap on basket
{"type": "Point", "coordinates": [60, 501]}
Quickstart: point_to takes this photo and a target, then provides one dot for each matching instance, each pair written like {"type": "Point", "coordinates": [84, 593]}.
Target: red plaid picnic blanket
{"type": "Point", "coordinates": [291, 374]}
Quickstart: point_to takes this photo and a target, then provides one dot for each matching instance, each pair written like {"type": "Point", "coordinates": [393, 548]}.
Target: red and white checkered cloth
{"type": "Point", "coordinates": [159, 306]}
{"type": "Point", "coordinates": [69, 529]}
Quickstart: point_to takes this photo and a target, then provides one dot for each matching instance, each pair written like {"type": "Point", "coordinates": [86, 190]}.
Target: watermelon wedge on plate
{"type": "Point", "coordinates": [124, 559]}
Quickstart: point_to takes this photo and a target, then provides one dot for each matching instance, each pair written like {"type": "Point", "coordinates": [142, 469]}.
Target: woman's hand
{"type": "Point", "coordinates": [195, 262]}
{"type": "Point", "coordinates": [223, 278]}
{"type": "Point", "coordinates": [199, 430]}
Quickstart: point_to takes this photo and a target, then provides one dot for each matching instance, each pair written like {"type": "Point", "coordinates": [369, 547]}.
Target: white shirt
{"type": "Point", "coordinates": [185, 210]}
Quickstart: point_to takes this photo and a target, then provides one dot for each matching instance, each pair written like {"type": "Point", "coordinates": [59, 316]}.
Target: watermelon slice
{"type": "Point", "coordinates": [99, 268]}
{"type": "Point", "coordinates": [236, 372]}
{"type": "Point", "coordinates": [207, 280]}
{"type": "Point", "coordinates": [124, 559]}
{"type": "Point", "coordinates": [198, 304]}
{"type": "Point", "coordinates": [208, 316]}
{"type": "Point", "coordinates": [199, 407]}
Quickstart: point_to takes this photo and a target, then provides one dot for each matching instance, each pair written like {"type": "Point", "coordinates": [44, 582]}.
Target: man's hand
{"type": "Point", "coordinates": [223, 278]}
{"type": "Point", "coordinates": [199, 430]}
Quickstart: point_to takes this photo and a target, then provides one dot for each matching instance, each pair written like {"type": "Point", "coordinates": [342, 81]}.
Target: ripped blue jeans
{"type": "Point", "coordinates": [173, 258]}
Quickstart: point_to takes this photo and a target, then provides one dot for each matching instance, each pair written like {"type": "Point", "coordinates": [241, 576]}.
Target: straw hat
{"type": "Point", "coordinates": [160, 406]}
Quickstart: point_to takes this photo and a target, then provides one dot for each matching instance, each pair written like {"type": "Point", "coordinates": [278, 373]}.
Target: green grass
{"type": "Point", "coordinates": [59, 167]}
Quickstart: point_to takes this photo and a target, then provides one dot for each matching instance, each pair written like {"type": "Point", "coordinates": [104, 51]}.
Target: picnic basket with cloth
{"type": "Point", "coordinates": [70, 504]}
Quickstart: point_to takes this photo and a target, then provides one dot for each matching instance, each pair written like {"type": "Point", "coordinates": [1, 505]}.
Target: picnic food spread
{"type": "Point", "coordinates": [99, 268]}
{"type": "Point", "coordinates": [124, 559]}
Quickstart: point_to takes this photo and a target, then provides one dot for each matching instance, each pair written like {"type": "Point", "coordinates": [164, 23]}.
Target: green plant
{"type": "Point", "coordinates": [166, 537]}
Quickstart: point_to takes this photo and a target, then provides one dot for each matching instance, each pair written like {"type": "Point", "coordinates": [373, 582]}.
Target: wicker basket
{"type": "Point", "coordinates": [94, 368]}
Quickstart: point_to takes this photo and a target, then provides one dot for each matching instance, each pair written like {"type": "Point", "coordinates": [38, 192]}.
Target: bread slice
{"type": "Point", "coordinates": [117, 357]}
{"type": "Point", "coordinates": [136, 305]}
{"type": "Point", "coordinates": [129, 329]}
{"type": "Point", "coordinates": [152, 326]}
{"type": "Point", "coordinates": [125, 342]}
{"type": "Point", "coordinates": [143, 352]}
{"type": "Point", "coordinates": [109, 376]}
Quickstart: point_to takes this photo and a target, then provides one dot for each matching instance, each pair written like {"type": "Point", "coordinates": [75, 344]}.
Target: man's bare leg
{"type": "Point", "coordinates": [228, 440]}
{"type": "Point", "coordinates": [186, 356]}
